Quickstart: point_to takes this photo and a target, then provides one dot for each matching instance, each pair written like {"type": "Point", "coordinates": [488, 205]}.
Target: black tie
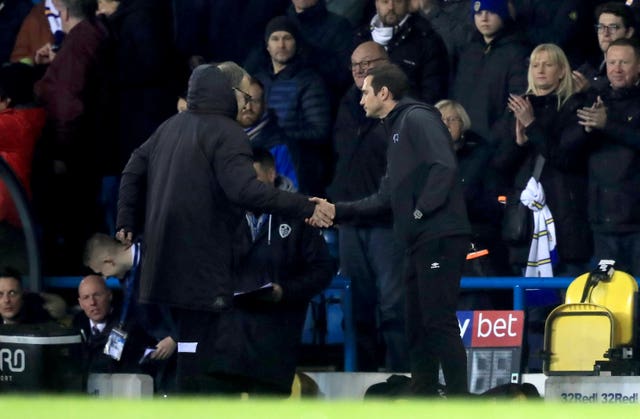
{"type": "Point", "coordinates": [95, 331]}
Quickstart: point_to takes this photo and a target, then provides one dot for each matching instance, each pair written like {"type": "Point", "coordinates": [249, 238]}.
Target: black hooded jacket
{"type": "Point", "coordinates": [190, 178]}
{"type": "Point", "coordinates": [422, 185]}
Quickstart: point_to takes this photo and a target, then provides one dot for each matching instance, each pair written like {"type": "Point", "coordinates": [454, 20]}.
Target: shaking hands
{"type": "Point", "coordinates": [323, 214]}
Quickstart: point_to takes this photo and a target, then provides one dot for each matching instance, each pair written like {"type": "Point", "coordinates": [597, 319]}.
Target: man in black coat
{"type": "Point", "coordinates": [423, 190]}
{"type": "Point", "coordinates": [293, 257]}
{"type": "Point", "coordinates": [613, 122]}
{"type": "Point", "coordinates": [411, 43]}
{"type": "Point", "coordinates": [188, 182]}
{"type": "Point", "coordinates": [369, 255]}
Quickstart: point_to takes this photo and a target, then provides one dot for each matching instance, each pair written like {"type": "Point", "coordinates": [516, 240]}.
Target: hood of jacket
{"type": "Point", "coordinates": [210, 92]}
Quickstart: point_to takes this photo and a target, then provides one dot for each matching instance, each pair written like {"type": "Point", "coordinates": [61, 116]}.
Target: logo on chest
{"type": "Point", "coordinates": [396, 138]}
{"type": "Point", "coordinates": [284, 230]}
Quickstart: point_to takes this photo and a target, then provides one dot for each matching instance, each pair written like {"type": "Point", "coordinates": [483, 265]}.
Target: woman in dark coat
{"type": "Point", "coordinates": [546, 124]}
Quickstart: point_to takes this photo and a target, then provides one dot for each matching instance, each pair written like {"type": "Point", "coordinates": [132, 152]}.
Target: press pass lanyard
{"type": "Point", "coordinates": [130, 284]}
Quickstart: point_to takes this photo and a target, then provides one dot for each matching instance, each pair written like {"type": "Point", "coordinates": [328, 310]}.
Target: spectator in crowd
{"type": "Point", "coordinates": [413, 44]}
{"type": "Point", "coordinates": [494, 66]}
{"type": "Point", "coordinates": [483, 208]}
{"type": "Point", "coordinates": [97, 321]}
{"type": "Point", "coordinates": [21, 124]}
{"type": "Point", "coordinates": [614, 21]}
{"type": "Point", "coordinates": [41, 26]}
{"type": "Point", "coordinates": [422, 189]}
{"type": "Point", "coordinates": [546, 125]}
{"type": "Point", "coordinates": [74, 92]}
{"type": "Point", "coordinates": [327, 38]}
{"type": "Point", "coordinates": [613, 122]}
{"type": "Point", "coordinates": [188, 230]}
{"type": "Point", "coordinates": [261, 126]}
{"type": "Point", "coordinates": [12, 13]}
{"type": "Point", "coordinates": [20, 307]}
{"type": "Point", "coordinates": [293, 257]}
{"type": "Point", "coordinates": [299, 99]}
{"type": "Point", "coordinates": [455, 35]}
{"type": "Point", "coordinates": [369, 254]}
{"type": "Point", "coordinates": [566, 23]}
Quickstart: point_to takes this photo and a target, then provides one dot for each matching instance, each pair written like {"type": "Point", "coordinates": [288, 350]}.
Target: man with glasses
{"type": "Point", "coordinates": [615, 21]}
{"type": "Point", "coordinates": [369, 254]}
{"type": "Point", "coordinates": [300, 101]}
{"type": "Point", "coordinates": [411, 43]}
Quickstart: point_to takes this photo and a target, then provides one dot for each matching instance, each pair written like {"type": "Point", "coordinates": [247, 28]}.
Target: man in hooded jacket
{"type": "Point", "coordinates": [188, 182]}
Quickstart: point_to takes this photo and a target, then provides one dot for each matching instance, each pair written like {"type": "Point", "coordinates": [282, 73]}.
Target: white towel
{"type": "Point", "coordinates": [543, 242]}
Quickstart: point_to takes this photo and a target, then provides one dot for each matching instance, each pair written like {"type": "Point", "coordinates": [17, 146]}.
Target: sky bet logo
{"type": "Point", "coordinates": [480, 329]}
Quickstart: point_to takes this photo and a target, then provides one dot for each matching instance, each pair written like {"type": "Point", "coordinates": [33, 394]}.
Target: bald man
{"type": "Point", "coordinates": [96, 323]}
{"type": "Point", "coordinates": [369, 254]}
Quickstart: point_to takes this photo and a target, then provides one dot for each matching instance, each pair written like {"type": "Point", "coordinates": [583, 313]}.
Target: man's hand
{"type": "Point", "coordinates": [125, 237]}
{"type": "Point", "coordinates": [580, 81]}
{"type": "Point", "coordinates": [323, 214]}
{"type": "Point", "coordinates": [45, 54]}
{"type": "Point", "coordinates": [164, 349]}
{"type": "Point", "coordinates": [594, 116]}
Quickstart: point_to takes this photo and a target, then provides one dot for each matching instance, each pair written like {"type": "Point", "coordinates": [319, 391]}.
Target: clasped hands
{"type": "Point", "coordinates": [323, 213]}
{"type": "Point", "coordinates": [594, 116]}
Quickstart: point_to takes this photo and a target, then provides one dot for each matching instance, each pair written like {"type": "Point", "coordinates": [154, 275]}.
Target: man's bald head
{"type": "Point", "coordinates": [366, 56]}
{"type": "Point", "coordinates": [94, 297]}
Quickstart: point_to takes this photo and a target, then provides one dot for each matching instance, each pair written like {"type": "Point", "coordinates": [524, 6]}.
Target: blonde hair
{"type": "Point", "coordinates": [567, 87]}
{"type": "Point", "coordinates": [462, 113]}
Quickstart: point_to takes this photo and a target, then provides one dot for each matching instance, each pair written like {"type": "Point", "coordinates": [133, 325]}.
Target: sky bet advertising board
{"type": "Point", "coordinates": [493, 340]}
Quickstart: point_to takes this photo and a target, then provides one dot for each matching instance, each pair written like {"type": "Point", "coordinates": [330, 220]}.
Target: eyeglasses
{"type": "Point", "coordinates": [363, 65]}
{"type": "Point", "coordinates": [607, 28]}
{"type": "Point", "coordinates": [247, 97]}
{"type": "Point", "coordinates": [451, 119]}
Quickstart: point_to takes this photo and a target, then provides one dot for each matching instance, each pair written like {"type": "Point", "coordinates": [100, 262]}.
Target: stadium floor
{"type": "Point", "coordinates": [52, 406]}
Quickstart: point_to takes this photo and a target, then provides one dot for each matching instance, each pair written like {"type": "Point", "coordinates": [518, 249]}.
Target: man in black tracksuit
{"type": "Point", "coordinates": [423, 190]}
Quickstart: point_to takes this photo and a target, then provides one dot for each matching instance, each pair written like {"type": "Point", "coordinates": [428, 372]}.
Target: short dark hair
{"type": "Point", "coordinates": [618, 9]}
{"type": "Point", "coordinates": [627, 42]}
{"type": "Point", "coordinates": [264, 157]}
{"type": "Point", "coordinates": [390, 76]}
{"type": "Point", "coordinates": [11, 272]}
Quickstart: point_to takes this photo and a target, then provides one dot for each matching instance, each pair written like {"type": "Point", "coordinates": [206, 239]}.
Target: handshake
{"type": "Point", "coordinates": [323, 214]}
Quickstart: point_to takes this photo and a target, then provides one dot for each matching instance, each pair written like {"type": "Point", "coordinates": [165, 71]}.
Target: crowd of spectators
{"type": "Point", "coordinates": [86, 82]}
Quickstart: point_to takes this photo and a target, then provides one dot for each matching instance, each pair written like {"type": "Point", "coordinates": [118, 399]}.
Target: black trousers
{"type": "Point", "coordinates": [433, 284]}
{"type": "Point", "coordinates": [214, 365]}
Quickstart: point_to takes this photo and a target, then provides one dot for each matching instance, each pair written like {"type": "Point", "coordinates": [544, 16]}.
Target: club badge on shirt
{"type": "Point", "coordinates": [284, 230]}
